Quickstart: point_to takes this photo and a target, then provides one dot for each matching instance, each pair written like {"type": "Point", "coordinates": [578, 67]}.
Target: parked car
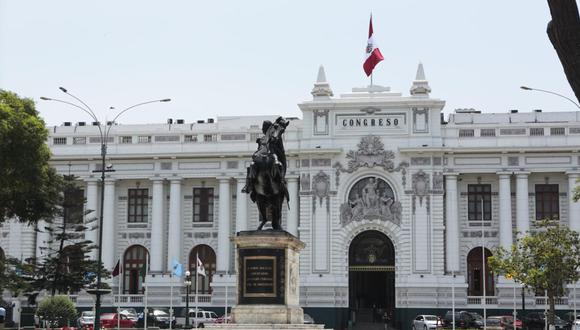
{"type": "Point", "coordinates": [569, 319]}
{"type": "Point", "coordinates": [308, 319]}
{"type": "Point", "coordinates": [537, 320]}
{"type": "Point", "coordinates": [156, 317]}
{"type": "Point", "coordinates": [111, 320]}
{"type": "Point", "coordinates": [222, 319]}
{"type": "Point", "coordinates": [425, 322]}
{"type": "Point", "coordinates": [202, 318]}
{"type": "Point", "coordinates": [463, 319]}
{"type": "Point", "coordinates": [199, 318]}
{"type": "Point", "coordinates": [86, 320]}
{"type": "Point", "coordinates": [505, 321]}
{"type": "Point", "coordinates": [131, 313]}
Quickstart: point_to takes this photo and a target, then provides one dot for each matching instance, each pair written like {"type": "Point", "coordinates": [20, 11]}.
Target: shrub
{"type": "Point", "coordinates": [57, 311]}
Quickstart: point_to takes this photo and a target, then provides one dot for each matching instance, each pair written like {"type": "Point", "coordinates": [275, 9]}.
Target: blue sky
{"type": "Point", "coordinates": [220, 58]}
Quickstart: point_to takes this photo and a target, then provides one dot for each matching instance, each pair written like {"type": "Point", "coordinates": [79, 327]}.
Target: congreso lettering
{"type": "Point", "coordinates": [370, 122]}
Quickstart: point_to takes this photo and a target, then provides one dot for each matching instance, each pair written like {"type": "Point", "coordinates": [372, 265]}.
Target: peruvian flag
{"type": "Point", "coordinates": [372, 55]}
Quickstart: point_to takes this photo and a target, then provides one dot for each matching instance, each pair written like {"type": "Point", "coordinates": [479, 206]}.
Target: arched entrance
{"type": "Point", "coordinates": [207, 257]}
{"type": "Point", "coordinates": [371, 260]}
{"type": "Point", "coordinates": [475, 275]}
{"type": "Point", "coordinates": [134, 263]}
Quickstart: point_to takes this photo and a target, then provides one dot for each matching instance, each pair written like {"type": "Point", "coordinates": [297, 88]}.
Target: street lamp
{"type": "Point", "coordinates": [187, 283]}
{"type": "Point", "coordinates": [526, 88]}
{"type": "Point", "coordinates": [104, 135]}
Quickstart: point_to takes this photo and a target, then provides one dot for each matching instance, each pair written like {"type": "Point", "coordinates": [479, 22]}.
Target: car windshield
{"type": "Point", "coordinates": [87, 314]}
{"type": "Point", "coordinates": [158, 312]}
{"type": "Point", "coordinates": [476, 316]}
{"type": "Point", "coordinates": [430, 318]}
{"type": "Point", "coordinates": [493, 321]}
{"type": "Point", "coordinates": [108, 316]}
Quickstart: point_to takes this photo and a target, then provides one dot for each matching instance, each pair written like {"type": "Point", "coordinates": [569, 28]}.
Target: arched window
{"type": "Point", "coordinates": [207, 257]}
{"type": "Point", "coordinates": [134, 269]}
{"type": "Point", "coordinates": [475, 275]}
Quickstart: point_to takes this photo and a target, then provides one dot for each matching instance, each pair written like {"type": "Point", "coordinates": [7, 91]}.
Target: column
{"type": "Point", "coordinates": [223, 257]}
{"type": "Point", "coordinates": [109, 226]}
{"type": "Point", "coordinates": [452, 222]}
{"type": "Point", "coordinates": [175, 233]}
{"type": "Point", "coordinates": [42, 238]}
{"type": "Point", "coordinates": [573, 207]}
{"type": "Point", "coordinates": [505, 211]}
{"type": "Point", "coordinates": [522, 202]}
{"type": "Point", "coordinates": [156, 251]}
{"type": "Point", "coordinates": [92, 219]}
{"type": "Point", "coordinates": [292, 222]}
{"type": "Point", "coordinates": [241, 206]}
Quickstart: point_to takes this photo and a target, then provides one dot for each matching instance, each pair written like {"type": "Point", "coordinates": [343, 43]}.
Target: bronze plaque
{"type": "Point", "coordinates": [260, 276]}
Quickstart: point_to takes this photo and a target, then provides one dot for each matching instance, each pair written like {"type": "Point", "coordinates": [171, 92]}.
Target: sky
{"type": "Point", "coordinates": [229, 58]}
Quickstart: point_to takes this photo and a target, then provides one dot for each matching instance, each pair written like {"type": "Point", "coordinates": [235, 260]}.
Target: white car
{"type": "Point", "coordinates": [198, 319]}
{"type": "Point", "coordinates": [426, 322]}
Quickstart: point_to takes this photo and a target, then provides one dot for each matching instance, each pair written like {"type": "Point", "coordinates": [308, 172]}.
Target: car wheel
{"type": "Point", "coordinates": [413, 327]}
{"type": "Point", "coordinates": [424, 327]}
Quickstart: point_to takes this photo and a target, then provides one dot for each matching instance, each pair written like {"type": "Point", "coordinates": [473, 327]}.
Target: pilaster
{"type": "Point", "coordinates": [175, 233]}
{"type": "Point", "coordinates": [156, 251]}
{"type": "Point", "coordinates": [505, 210]}
{"type": "Point", "coordinates": [522, 202]}
{"type": "Point", "coordinates": [452, 222]}
{"type": "Point", "coordinates": [223, 257]}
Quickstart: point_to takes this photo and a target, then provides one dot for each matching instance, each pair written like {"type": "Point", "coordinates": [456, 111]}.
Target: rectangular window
{"type": "Point", "coordinates": [80, 140]}
{"type": "Point", "coordinates": [557, 131]}
{"type": "Point", "coordinates": [547, 202]}
{"type": "Point", "coordinates": [475, 193]}
{"type": "Point", "coordinates": [487, 132]}
{"type": "Point", "coordinates": [190, 138]}
{"type": "Point", "coordinates": [144, 139]}
{"type": "Point", "coordinates": [73, 207]}
{"type": "Point", "coordinates": [138, 207]}
{"type": "Point", "coordinates": [125, 139]}
{"type": "Point", "coordinates": [202, 204]}
{"type": "Point", "coordinates": [59, 140]}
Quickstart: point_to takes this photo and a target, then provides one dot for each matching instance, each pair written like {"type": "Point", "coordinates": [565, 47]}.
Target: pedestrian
{"type": "Point", "coordinates": [386, 320]}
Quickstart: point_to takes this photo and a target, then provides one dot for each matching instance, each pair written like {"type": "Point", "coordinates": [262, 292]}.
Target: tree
{"type": "Point", "coordinates": [67, 266]}
{"type": "Point", "coordinates": [544, 259]}
{"type": "Point", "coordinates": [57, 311]}
{"type": "Point", "coordinates": [564, 33]}
{"type": "Point", "coordinates": [27, 182]}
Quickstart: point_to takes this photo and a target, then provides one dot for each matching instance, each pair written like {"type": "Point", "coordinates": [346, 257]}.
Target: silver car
{"type": "Point", "coordinates": [426, 322]}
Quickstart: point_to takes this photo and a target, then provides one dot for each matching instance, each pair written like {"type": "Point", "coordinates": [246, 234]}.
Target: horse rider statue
{"type": "Point", "coordinates": [265, 180]}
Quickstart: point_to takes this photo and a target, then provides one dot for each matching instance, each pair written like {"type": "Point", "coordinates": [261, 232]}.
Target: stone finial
{"type": "Point", "coordinates": [321, 89]}
{"type": "Point", "coordinates": [420, 85]}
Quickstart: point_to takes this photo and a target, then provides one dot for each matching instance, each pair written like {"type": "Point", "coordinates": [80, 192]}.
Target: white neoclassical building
{"type": "Point", "coordinates": [390, 197]}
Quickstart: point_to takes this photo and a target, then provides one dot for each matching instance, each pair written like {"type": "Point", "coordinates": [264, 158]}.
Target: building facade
{"type": "Point", "coordinates": [394, 202]}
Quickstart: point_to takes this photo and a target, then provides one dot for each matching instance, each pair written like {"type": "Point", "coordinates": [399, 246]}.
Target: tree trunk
{"type": "Point", "coordinates": [552, 301]}
{"type": "Point", "coordinates": [564, 33]}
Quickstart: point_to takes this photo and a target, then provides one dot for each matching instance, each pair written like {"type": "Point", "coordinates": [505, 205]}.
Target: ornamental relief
{"type": "Point", "coordinates": [369, 199]}
{"type": "Point", "coordinates": [371, 153]}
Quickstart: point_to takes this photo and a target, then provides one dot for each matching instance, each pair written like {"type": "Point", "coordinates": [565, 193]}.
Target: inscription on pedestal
{"type": "Point", "coordinates": [262, 276]}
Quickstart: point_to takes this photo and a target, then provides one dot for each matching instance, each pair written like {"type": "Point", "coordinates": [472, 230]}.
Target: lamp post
{"type": "Point", "coordinates": [104, 135]}
{"type": "Point", "coordinates": [187, 283]}
{"type": "Point", "coordinates": [526, 88]}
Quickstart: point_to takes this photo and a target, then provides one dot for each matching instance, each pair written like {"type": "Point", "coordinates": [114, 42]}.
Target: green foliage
{"type": "Point", "coordinates": [545, 259]}
{"type": "Point", "coordinates": [58, 311]}
{"type": "Point", "coordinates": [14, 276]}
{"type": "Point", "coordinates": [28, 185]}
{"type": "Point", "coordinates": [66, 266]}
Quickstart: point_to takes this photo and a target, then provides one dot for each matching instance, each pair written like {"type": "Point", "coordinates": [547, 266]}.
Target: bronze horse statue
{"type": "Point", "coordinates": [265, 180]}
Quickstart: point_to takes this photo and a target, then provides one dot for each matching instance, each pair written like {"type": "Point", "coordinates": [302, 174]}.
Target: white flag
{"type": "Point", "coordinates": [200, 268]}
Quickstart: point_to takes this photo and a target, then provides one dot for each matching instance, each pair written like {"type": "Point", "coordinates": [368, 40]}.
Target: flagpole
{"type": "Point", "coordinates": [171, 300]}
{"type": "Point", "coordinates": [196, 285]}
{"type": "Point", "coordinates": [119, 295]}
{"type": "Point", "coordinates": [145, 314]}
{"type": "Point", "coordinates": [371, 80]}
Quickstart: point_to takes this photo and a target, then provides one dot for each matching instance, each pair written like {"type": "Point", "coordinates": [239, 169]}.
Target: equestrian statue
{"type": "Point", "coordinates": [265, 180]}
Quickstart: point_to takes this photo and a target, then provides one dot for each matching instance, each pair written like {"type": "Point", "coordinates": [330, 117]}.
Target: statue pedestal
{"type": "Point", "coordinates": [268, 278]}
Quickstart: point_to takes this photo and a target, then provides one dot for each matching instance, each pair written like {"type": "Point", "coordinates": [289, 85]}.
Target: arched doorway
{"type": "Point", "coordinates": [207, 256]}
{"type": "Point", "coordinates": [371, 260]}
{"type": "Point", "coordinates": [475, 275]}
{"type": "Point", "coordinates": [134, 263]}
